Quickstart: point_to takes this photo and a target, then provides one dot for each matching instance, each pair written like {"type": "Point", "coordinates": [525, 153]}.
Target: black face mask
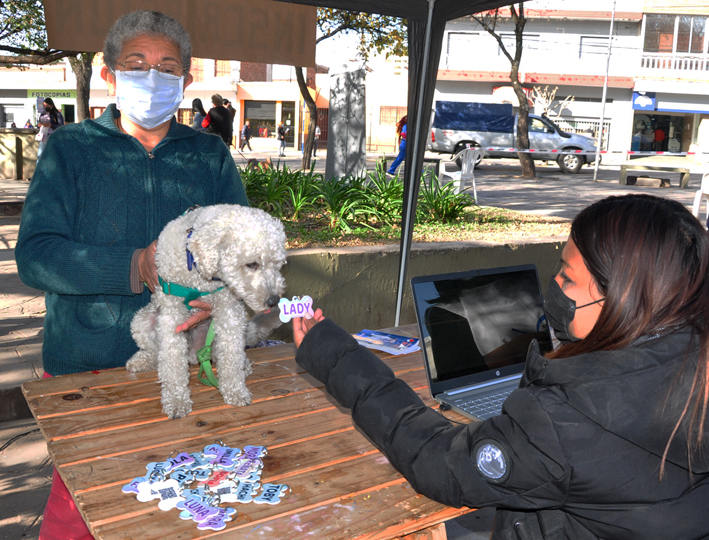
{"type": "Point", "coordinates": [561, 310]}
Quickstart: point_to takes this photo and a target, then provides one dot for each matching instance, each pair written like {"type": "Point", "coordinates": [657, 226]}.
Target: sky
{"type": "Point", "coordinates": [337, 50]}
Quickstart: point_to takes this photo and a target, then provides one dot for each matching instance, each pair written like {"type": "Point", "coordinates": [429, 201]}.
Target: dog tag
{"type": "Point", "coordinates": [245, 467]}
{"type": "Point", "coordinates": [218, 522]}
{"type": "Point", "coordinates": [217, 478]}
{"type": "Point", "coordinates": [198, 492]}
{"type": "Point", "coordinates": [200, 462]}
{"type": "Point", "coordinates": [157, 467]}
{"type": "Point", "coordinates": [245, 491]}
{"type": "Point", "coordinates": [298, 307]}
{"type": "Point", "coordinates": [227, 458]}
{"type": "Point", "coordinates": [202, 475]}
{"type": "Point", "coordinates": [182, 476]}
{"type": "Point", "coordinates": [180, 460]}
{"type": "Point", "coordinates": [196, 509]}
{"type": "Point", "coordinates": [169, 493]}
{"type": "Point", "coordinates": [271, 494]}
{"type": "Point", "coordinates": [132, 487]}
{"type": "Point", "coordinates": [254, 452]}
{"type": "Point", "coordinates": [226, 491]}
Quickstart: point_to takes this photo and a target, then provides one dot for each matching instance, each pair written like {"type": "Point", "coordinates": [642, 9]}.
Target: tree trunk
{"type": "Point", "coordinates": [313, 110]}
{"type": "Point", "coordinates": [81, 66]}
{"type": "Point", "coordinates": [525, 160]}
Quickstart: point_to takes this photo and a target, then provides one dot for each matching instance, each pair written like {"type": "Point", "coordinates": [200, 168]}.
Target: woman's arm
{"type": "Point", "coordinates": [437, 457]}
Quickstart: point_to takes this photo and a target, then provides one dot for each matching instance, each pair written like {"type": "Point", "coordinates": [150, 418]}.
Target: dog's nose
{"type": "Point", "coordinates": [273, 301]}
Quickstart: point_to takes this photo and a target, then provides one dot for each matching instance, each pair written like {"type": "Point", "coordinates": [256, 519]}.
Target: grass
{"type": "Point", "coordinates": [476, 224]}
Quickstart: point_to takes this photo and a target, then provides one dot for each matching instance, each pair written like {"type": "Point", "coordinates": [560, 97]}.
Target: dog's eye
{"type": "Point", "coordinates": [253, 266]}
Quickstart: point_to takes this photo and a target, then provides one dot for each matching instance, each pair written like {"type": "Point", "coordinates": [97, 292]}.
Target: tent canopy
{"type": "Point", "coordinates": [426, 24]}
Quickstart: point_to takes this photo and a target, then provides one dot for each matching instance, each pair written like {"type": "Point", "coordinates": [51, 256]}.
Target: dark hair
{"type": "Point", "coordinates": [198, 107]}
{"type": "Point", "coordinates": [649, 258]}
{"type": "Point", "coordinates": [400, 125]}
{"type": "Point", "coordinates": [53, 112]}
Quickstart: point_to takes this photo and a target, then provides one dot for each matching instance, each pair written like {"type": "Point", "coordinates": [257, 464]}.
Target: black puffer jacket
{"type": "Point", "coordinates": [577, 449]}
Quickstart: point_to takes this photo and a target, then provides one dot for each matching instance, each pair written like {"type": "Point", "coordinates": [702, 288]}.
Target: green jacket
{"type": "Point", "coordinates": [97, 195]}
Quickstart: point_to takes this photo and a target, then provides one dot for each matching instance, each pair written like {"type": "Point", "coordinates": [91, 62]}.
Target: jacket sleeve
{"type": "Point", "coordinates": [48, 256]}
{"type": "Point", "coordinates": [207, 119]}
{"type": "Point", "coordinates": [437, 457]}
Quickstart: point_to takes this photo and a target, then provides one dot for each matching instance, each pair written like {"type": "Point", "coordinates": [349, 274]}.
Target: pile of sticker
{"type": "Point", "coordinates": [218, 474]}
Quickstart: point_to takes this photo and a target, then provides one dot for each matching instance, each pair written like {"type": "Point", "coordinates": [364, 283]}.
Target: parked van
{"type": "Point", "coordinates": [458, 124]}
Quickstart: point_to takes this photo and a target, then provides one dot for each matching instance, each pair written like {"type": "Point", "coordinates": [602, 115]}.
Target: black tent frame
{"type": "Point", "coordinates": [426, 24]}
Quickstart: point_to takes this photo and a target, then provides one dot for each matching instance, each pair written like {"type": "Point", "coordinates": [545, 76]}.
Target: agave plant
{"type": "Point", "coordinates": [440, 203]}
{"type": "Point", "coordinates": [341, 200]}
{"type": "Point", "coordinates": [385, 195]}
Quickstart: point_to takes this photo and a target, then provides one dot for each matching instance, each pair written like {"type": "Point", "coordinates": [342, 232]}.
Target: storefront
{"type": "Point", "coordinates": [264, 116]}
{"type": "Point", "coordinates": [666, 122]}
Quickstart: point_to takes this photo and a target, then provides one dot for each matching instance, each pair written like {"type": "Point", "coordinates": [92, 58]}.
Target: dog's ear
{"type": "Point", "coordinates": [205, 245]}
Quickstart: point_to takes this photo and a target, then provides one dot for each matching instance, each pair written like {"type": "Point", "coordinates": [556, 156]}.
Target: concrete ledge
{"type": "Point", "coordinates": [13, 405]}
{"type": "Point", "coordinates": [11, 208]}
{"type": "Point", "coordinates": [356, 287]}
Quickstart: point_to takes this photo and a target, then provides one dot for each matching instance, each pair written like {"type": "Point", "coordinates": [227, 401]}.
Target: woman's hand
{"type": "Point", "coordinates": [202, 311]}
{"type": "Point", "coordinates": [146, 266]}
{"type": "Point", "coordinates": [302, 326]}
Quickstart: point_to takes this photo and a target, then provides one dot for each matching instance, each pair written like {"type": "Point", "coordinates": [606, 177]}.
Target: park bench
{"type": "Point", "coordinates": [655, 164]}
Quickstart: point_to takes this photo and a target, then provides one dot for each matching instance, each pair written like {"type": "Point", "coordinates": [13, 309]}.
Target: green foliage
{"type": "Point", "coordinates": [22, 24]}
{"type": "Point", "coordinates": [440, 204]}
{"type": "Point", "coordinates": [385, 195]}
{"type": "Point", "coordinates": [379, 33]}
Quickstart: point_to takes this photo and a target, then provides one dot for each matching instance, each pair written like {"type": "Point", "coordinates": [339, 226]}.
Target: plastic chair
{"type": "Point", "coordinates": [702, 193]}
{"type": "Point", "coordinates": [469, 157]}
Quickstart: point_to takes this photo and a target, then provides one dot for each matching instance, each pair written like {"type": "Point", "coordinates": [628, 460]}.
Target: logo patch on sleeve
{"type": "Point", "coordinates": [492, 460]}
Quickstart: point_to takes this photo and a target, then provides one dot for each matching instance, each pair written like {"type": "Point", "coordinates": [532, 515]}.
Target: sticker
{"type": "Point", "coordinates": [271, 494]}
{"type": "Point", "coordinates": [298, 307]}
{"type": "Point", "coordinates": [492, 461]}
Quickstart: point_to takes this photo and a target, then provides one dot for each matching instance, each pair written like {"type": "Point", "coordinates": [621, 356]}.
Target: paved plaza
{"type": "Point", "coordinates": [25, 469]}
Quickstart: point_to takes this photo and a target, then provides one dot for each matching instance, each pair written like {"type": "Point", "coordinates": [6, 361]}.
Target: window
{"type": "Point", "coordinates": [262, 116]}
{"type": "Point", "coordinates": [593, 47]}
{"type": "Point", "coordinates": [389, 116]}
{"type": "Point", "coordinates": [222, 68]}
{"type": "Point", "coordinates": [529, 41]}
{"type": "Point", "coordinates": [660, 31]}
{"type": "Point", "coordinates": [185, 116]}
{"type": "Point", "coordinates": [197, 70]}
{"type": "Point", "coordinates": [537, 126]}
{"type": "Point", "coordinates": [461, 48]}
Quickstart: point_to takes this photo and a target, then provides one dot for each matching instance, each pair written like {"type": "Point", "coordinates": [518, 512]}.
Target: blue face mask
{"type": "Point", "coordinates": [149, 100]}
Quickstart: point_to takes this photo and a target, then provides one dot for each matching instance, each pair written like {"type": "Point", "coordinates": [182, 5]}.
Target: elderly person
{"type": "Point", "coordinates": [607, 435]}
{"type": "Point", "coordinates": [99, 198]}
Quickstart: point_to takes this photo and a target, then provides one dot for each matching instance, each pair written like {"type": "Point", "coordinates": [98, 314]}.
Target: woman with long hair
{"type": "Point", "coordinates": [199, 114]}
{"type": "Point", "coordinates": [605, 437]}
{"type": "Point", "coordinates": [50, 120]}
{"type": "Point", "coordinates": [401, 138]}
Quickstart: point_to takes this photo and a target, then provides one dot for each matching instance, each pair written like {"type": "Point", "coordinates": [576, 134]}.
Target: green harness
{"type": "Point", "coordinates": [204, 355]}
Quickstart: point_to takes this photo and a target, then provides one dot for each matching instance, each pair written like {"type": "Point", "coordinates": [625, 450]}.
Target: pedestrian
{"type": "Point", "coordinates": [281, 133]}
{"type": "Point", "coordinates": [606, 436]}
{"type": "Point", "coordinates": [100, 195]}
{"type": "Point", "coordinates": [50, 120]}
{"type": "Point", "coordinates": [219, 121]}
{"type": "Point", "coordinates": [228, 107]}
{"type": "Point", "coordinates": [28, 124]}
{"type": "Point", "coordinates": [13, 125]}
{"type": "Point", "coordinates": [659, 142]}
{"type": "Point", "coordinates": [199, 114]}
{"type": "Point", "coordinates": [401, 135]}
{"type": "Point", "coordinates": [315, 140]}
{"type": "Point", "coordinates": [246, 136]}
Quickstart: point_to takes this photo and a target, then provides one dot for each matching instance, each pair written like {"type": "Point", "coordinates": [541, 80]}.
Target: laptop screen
{"type": "Point", "coordinates": [477, 325]}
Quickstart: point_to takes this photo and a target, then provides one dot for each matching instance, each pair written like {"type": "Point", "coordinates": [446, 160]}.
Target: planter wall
{"type": "Point", "coordinates": [356, 287]}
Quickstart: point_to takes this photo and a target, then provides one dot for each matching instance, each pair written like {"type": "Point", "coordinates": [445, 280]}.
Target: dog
{"type": "Point", "coordinates": [233, 256]}
{"type": "Point", "coordinates": [254, 164]}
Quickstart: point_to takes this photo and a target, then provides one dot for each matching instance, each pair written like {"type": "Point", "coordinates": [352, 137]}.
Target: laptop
{"type": "Point", "coordinates": [476, 327]}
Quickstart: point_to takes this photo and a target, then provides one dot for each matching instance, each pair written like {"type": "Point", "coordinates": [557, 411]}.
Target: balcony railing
{"type": "Point", "coordinates": [663, 62]}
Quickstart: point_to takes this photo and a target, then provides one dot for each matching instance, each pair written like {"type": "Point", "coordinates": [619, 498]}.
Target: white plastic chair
{"type": "Point", "coordinates": [469, 157]}
{"type": "Point", "coordinates": [702, 193]}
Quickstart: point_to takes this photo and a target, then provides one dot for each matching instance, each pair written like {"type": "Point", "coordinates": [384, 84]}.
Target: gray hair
{"type": "Point", "coordinates": [151, 23]}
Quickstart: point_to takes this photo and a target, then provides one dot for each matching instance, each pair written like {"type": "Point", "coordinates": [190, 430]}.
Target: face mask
{"type": "Point", "coordinates": [561, 310]}
{"type": "Point", "coordinates": [150, 100]}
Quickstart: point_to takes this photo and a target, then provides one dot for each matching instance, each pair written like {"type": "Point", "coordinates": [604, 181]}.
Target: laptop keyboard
{"type": "Point", "coordinates": [484, 407]}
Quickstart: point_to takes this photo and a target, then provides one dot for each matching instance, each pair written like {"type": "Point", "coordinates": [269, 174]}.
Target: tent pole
{"type": "Point", "coordinates": [599, 141]}
{"type": "Point", "coordinates": [409, 203]}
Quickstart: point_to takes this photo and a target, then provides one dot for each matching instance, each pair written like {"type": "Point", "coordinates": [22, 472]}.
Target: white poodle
{"type": "Point", "coordinates": [234, 254]}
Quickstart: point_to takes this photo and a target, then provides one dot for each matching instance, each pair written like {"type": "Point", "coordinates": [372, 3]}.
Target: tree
{"type": "Point", "coordinates": [544, 99]}
{"type": "Point", "coordinates": [23, 35]}
{"type": "Point", "coordinates": [490, 20]}
{"type": "Point", "coordinates": [380, 33]}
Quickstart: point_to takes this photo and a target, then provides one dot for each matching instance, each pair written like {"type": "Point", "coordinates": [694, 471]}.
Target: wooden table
{"type": "Point", "coordinates": [102, 428]}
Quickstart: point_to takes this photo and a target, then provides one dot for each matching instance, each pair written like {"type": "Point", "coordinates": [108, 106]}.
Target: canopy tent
{"type": "Point", "coordinates": [71, 22]}
{"type": "Point", "coordinates": [426, 24]}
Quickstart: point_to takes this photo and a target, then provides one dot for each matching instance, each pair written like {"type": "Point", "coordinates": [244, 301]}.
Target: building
{"type": "Point", "coordinates": [657, 72]}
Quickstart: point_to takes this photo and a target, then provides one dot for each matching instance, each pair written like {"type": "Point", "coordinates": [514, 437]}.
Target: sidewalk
{"type": "Point", "coordinates": [25, 470]}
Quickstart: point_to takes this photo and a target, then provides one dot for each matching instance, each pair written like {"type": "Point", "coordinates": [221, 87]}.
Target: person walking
{"type": "Point", "coordinates": [199, 114]}
{"type": "Point", "coordinates": [401, 134]}
{"type": "Point", "coordinates": [50, 120]}
{"type": "Point", "coordinates": [281, 136]}
{"type": "Point", "coordinates": [659, 141]}
{"type": "Point", "coordinates": [219, 121]}
{"type": "Point", "coordinates": [246, 136]}
{"type": "Point", "coordinates": [100, 196]}
{"type": "Point", "coordinates": [315, 140]}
